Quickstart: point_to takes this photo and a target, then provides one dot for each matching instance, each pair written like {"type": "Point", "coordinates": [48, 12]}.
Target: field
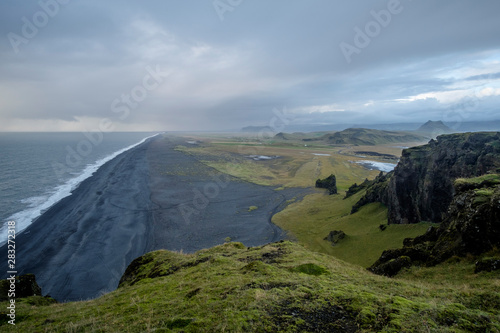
{"type": "Point", "coordinates": [292, 163]}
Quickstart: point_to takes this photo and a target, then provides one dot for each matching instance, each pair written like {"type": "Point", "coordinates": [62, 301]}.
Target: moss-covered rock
{"type": "Point", "coordinates": [329, 183]}
{"type": "Point", "coordinates": [487, 265]}
{"type": "Point", "coordinates": [392, 266]}
{"type": "Point", "coordinates": [25, 286]}
{"type": "Point", "coordinates": [335, 236]}
{"type": "Point", "coordinates": [376, 191]}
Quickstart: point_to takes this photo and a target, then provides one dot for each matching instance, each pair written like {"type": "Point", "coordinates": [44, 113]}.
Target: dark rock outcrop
{"type": "Point", "coordinates": [335, 236]}
{"type": "Point", "coordinates": [392, 267]}
{"type": "Point", "coordinates": [487, 265]}
{"type": "Point", "coordinates": [376, 191]}
{"type": "Point", "coordinates": [421, 188]}
{"type": "Point", "coordinates": [355, 188]}
{"type": "Point", "coordinates": [330, 183]}
{"type": "Point", "coordinates": [25, 286]}
{"type": "Point", "coordinates": [472, 226]}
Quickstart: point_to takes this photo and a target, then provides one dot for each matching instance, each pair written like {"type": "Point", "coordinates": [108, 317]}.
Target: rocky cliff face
{"type": "Point", "coordinates": [421, 188]}
{"type": "Point", "coordinates": [471, 226]}
{"type": "Point", "coordinates": [376, 191]}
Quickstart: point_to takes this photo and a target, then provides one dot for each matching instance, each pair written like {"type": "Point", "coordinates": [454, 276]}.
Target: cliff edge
{"type": "Point", "coordinates": [471, 226]}
{"type": "Point", "coordinates": [421, 188]}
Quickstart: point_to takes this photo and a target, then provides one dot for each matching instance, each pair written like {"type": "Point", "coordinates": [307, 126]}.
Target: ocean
{"type": "Point", "coordinates": [39, 169]}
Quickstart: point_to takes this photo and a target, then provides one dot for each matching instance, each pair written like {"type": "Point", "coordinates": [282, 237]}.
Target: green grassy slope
{"type": "Point", "coordinates": [280, 287]}
{"type": "Point", "coordinates": [311, 220]}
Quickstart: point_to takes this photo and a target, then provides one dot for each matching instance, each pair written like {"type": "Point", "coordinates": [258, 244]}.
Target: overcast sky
{"type": "Point", "coordinates": [69, 65]}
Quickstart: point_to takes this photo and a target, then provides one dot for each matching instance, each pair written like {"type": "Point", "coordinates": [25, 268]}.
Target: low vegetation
{"type": "Point", "coordinates": [488, 179]}
{"type": "Point", "coordinates": [280, 287]}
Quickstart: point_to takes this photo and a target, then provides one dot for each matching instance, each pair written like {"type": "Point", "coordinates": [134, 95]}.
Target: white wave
{"type": "Point", "coordinates": [38, 205]}
{"type": "Point", "coordinates": [385, 167]}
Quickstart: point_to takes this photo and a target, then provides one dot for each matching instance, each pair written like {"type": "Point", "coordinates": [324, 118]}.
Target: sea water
{"type": "Point", "coordinates": [39, 169]}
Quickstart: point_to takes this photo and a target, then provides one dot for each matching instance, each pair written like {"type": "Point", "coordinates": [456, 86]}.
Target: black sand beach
{"type": "Point", "coordinates": [150, 197]}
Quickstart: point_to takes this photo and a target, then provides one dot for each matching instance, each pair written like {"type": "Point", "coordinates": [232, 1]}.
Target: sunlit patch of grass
{"type": "Point", "coordinates": [489, 178]}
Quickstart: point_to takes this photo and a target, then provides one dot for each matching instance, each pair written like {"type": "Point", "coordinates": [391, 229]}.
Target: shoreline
{"type": "Point", "coordinates": [25, 217]}
{"type": "Point", "coordinates": [78, 246]}
{"type": "Point", "coordinates": [133, 204]}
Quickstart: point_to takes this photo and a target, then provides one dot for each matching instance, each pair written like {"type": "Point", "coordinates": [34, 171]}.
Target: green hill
{"type": "Point", "coordinates": [280, 287]}
{"type": "Point", "coordinates": [354, 136]}
{"type": "Point", "coordinates": [370, 137]}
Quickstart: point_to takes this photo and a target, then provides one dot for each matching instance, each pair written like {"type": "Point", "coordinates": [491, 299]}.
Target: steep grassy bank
{"type": "Point", "coordinates": [311, 219]}
{"type": "Point", "coordinates": [280, 287]}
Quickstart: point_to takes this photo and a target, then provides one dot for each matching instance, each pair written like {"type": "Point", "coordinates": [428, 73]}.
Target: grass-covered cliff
{"type": "Point", "coordinates": [280, 287]}
{"type": "Point", "coordinates": [421, 188]}
{"type": "Point", "coordinates": [470, 228]}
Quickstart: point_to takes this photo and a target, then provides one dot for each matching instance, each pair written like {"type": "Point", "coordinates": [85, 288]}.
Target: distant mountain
{"type": "Point", "coordinates": [370, 137]}
{"type": "Point", "coordinates": [289, 136]}
{"type": "Point", "coordinates": [298, 136]}
{"type": "Point", "coordinates": [434, 128]}
{"type": "Point", "coordinates": [340, 127]}
{"type": "Point", "coordinates": [451, 127]}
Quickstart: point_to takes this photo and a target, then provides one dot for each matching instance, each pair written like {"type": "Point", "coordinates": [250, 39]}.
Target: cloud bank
{"type": "Point", "coordinates": [224, 64]}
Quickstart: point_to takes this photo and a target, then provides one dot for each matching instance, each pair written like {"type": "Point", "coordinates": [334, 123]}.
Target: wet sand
{"type": "Point", "coordinates": [150, 197]}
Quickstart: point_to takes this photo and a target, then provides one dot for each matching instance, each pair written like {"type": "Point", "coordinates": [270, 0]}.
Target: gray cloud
{"type": "Point", "coordinates": [228, 74]}
{"type": "Point", "coordinates": [489, 76]}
